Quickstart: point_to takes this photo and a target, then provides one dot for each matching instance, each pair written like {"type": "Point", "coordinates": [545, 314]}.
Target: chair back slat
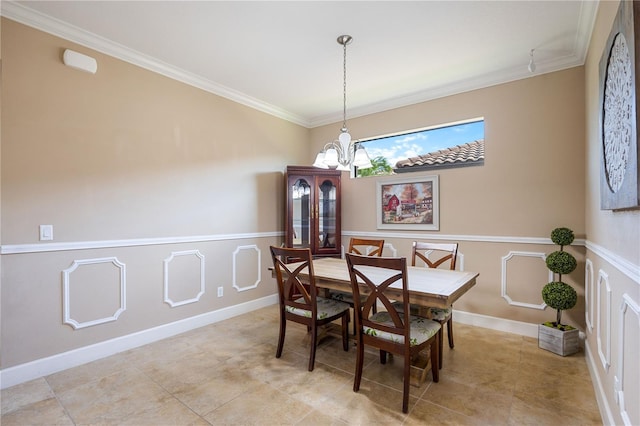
{"type": "Point", "coordinates": [366, 247]}
{"type": "Point", "coordinates": [434, 254]}
{"type": "Point", "coordinates": [377, 275]}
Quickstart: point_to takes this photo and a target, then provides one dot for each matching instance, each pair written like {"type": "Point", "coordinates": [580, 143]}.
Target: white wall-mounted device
{"type": "Point", "coordinates": [79, 61]}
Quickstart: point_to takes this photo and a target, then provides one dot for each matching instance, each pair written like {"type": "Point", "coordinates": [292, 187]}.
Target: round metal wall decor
{"type": "Point", "coordinates": [618, 117]}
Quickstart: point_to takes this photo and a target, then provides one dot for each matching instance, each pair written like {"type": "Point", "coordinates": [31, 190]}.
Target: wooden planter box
{"type": "Point", "coordinates": [557, 341]}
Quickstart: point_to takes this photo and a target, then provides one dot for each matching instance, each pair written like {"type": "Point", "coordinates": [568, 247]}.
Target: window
{"type": "Point", "coordinates": [451, 145]}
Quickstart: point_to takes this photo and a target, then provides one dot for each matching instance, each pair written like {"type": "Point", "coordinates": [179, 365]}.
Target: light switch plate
{"type": "Point", "coordinates": [46, 232]}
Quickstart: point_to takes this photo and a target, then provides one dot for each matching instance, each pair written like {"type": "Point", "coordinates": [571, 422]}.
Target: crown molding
{"type": "Point", "coordinates": [35, 19]}
{"type": "Point", "coordinates": [462, 86]}
{"type": "Point", "coordinates": [24, 15]}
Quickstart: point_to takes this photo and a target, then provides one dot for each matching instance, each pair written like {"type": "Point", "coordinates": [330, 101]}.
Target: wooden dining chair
{"type": "Point", "coordinates": [363, 247]}
{"type": "Point", "coordinates": [299, 301]}
{"type": "Point", "coordinates": [390, 331]}
{"type": "Point", "coordinates": [366, 247]}
{"type": "Point", "coordinates": [434, 255]}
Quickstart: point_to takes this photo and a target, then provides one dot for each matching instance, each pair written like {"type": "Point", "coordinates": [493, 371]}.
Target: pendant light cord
{"type": "Point", "coordinates": [344, 87]}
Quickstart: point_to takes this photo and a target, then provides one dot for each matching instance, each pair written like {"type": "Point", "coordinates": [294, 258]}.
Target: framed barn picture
{"type": "Point", "coordinates": [408, 204]}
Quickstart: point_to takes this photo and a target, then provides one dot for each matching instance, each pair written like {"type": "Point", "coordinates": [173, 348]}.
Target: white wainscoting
{"type": "Point", "coordinates": [167, 275]}
{"type": "Point", "coordinates": [243, 265]}
{"type": "Point", "coordinates": [603, 329]}
{"type": "Point", "coordinates": [598, 312]}
{"type": "Point", "coordinates": [120, 287]}
{"type": "Point", "coordinates": [627, 389]}
{"type": "Point", "coordinates": [504, 282]}
{"type": "Point", "coordinates": [588, 295]}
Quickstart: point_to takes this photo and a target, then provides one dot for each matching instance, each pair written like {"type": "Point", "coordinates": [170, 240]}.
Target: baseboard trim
{"type": "Point", "coordinates": [601, 396]}
{"type": "Point", "coordinates": [494, 323]}
{"type": "Point", "coordinates": [501, 324]}
{"type": "Point", "coordinates": [42, 367]}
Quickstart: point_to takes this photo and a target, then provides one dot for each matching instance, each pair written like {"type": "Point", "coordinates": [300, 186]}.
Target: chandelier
{"type": "Point", "coordinates": [343, 153]}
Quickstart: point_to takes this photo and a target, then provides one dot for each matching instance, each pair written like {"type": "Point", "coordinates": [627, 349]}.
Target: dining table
{"type": "Point", "coordinates": [428, 287]}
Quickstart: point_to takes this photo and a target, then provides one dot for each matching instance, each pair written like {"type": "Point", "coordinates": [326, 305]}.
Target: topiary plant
{"type": "Point", "coordinates": [561, 262]}
{"type": "Point", "coordinates": [557, 294]}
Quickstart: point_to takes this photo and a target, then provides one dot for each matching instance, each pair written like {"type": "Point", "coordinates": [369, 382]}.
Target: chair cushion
{"type": "Point", "coordinates": [438, 314]}
{"type": "Point", "coordinates": [421, 329]}
{"type": "Point", "coordinates": [344, 296]}
{"type": "Point", "coordinates": [326, 308]}
{"type": "Point", "coordinates": [413, 310]}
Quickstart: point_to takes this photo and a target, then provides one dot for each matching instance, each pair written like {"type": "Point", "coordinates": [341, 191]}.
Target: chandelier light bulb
{"type": "Point", "coordinates": [344, 137]}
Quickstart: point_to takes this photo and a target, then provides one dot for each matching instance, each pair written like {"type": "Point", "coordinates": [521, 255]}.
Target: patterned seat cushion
{"type": "Point", "coordinates": [326, 308]}
{"type": "Point", "coordinates": [438, 314]}
{"type": "Point", "coordinates": [421, 329]}
{"type": "Point", "coordinates": [344, 296]}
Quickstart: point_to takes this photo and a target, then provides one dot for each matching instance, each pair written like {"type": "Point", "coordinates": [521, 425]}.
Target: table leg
{"type": "Point", "coordinates": [420, 367]}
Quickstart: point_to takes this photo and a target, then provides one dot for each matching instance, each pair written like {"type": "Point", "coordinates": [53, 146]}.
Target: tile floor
{"type": "Point", "coordinates": [227, 373]}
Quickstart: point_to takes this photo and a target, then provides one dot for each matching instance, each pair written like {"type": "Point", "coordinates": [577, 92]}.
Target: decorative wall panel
{"type": "Point", "coordinates": [98, 296]}
{"type": "Point", "coordinates": [588, 294]}
{"type": "Point", "coordinates": [511, 255]}
{"type": "Point", "coordinates": [628, 388]}
{"type": "Point", "coordinates": [246, 267]}
{"type": "Point", "coordinates": [186, 269]}
{"type": "Point", "coordinates": [603, 329]}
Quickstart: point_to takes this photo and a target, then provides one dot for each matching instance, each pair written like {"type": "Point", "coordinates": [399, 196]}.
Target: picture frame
{"type": "Point", "coordinates": [619, 92]}
{"type": "Point", "coordinates": [408, 204]}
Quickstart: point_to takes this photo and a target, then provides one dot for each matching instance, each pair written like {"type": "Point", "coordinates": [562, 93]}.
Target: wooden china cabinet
{"type": "Point", "coordinates": [312, 218]}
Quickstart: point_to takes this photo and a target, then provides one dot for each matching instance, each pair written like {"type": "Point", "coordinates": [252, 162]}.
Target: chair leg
{"type": "Point", "coordinates": [345, 331]}
{"type": "Point", "coordinates": [283, 328]}
{"type": "Point", "coordinates": [314, 343]}
{"type": "Point", "coordinates": [450, 331]}
{"type": "Point", "coordinates": [354, 320]}
{"type": "Point", "coordinates": [440, 344]}
{"type": "Point", "coordinates": [435, 366]}
{"type": "Point", "coordinates": [405, 382]}
{"type": "Point", "coordinates": [383, 357]}
{"type": "Point", "coordinates": [359, 362]}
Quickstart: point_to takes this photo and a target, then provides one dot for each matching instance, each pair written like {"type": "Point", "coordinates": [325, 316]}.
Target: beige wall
{"type": "Point", "coordinates": [132, 165]}
{"type": "Point", "coordinates": [532, 181]}
{"type": "Point", "coordinates": [119, 158]}
{"type": "Point", "coordinates": [127, 153]}
{"type": "Point", "coordinates": [613, 253]}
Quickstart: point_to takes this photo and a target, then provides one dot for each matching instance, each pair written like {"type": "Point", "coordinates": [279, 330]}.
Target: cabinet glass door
{"type": "Point", "coordinates": [327, 214]}
{"type": "Point", "coordinates": [301, 223]}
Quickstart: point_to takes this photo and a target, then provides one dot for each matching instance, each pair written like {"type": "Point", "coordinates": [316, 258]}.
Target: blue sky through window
{"type": "Point", "coordinates": [412, 144]}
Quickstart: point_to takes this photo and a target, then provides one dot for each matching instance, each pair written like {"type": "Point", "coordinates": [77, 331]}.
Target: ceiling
{"type": "Point", "coordinates": [283, 57]}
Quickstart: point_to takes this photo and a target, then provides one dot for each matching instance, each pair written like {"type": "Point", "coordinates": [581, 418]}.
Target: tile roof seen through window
{"type": "Point", "coordinates": [468, 154]}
